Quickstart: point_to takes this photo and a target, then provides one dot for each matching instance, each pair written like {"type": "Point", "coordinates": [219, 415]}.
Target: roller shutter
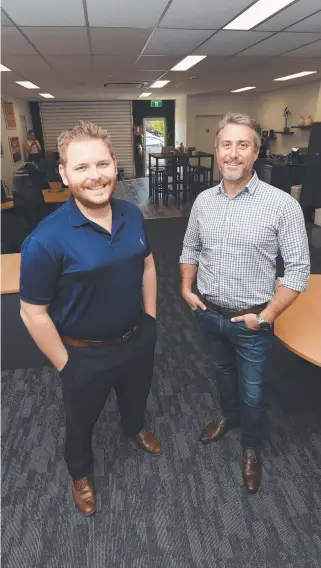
{"type": "Point", "coordinates": [116, 116]}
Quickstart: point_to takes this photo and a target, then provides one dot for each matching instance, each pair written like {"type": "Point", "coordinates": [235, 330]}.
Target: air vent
{"type": "Point", "coordinates": [124, 85]}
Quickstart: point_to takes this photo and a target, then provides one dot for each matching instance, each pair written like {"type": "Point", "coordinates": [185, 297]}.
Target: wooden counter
{"type": "Point", "coordinates": [19, 350]}
{"type": "Point", "coordinates": [7, 205]}
{"type": "Point", "coordinates": [10, 273]}
{"type": "Point", "coordinates": [299, 327]}
{"type": "Point", "coordinates": [56, 196]}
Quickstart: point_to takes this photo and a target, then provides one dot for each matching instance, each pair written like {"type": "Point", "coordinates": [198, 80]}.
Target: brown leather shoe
{"type": "Point", "coordinates": [251, 471]}
{"type": "Point", "coordinates": [216, 430]}
{"type": "Point", "coordinates": [83, 493]}
{"type": "Point", "coordinates": [149, 442]}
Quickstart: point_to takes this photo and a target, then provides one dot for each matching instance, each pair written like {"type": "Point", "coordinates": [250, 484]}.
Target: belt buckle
{"type": "Point", "coordinates": [126, 335]}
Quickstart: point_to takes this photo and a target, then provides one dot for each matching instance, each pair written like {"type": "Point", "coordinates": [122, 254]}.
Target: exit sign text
{"type": "Point", "coordinates": [156, 104]}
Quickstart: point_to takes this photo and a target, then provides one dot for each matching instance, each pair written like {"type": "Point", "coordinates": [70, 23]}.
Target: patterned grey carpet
{"type": "Point", "coordinates": [186, 509]}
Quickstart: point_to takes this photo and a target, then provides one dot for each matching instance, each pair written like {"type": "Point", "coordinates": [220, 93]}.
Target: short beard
{"type": "Point", "coordinates": [77, 193]}
{"type": "Point", "coordinates": [232, 178]}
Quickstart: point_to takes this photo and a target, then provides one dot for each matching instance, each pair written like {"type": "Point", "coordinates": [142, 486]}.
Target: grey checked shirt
{"type": "Point", "coordinates": [235, 243]}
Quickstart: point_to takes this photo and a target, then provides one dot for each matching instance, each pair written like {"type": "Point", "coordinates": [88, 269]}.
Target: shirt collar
{"type": "Point", "coordinates": [78, 218]}
{"type": "Point", "coordinates": [250, 187]}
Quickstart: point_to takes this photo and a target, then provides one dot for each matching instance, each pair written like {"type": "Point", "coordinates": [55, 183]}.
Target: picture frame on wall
{"type": "Point", "coordinates": [15, 149]}
{"type": "Point", "coordinates": [9, 115]}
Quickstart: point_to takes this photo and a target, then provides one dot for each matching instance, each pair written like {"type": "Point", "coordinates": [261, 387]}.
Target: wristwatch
{"type": "Point", "coordinates": [263, 324]}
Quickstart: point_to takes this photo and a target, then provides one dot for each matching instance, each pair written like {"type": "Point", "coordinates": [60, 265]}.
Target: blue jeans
{"type": "Point", "coordinates": [240, 357]}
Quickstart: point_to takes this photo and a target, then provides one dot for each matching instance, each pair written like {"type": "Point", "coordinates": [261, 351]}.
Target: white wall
{"type": "Point", "coordinates": [301, 101]}
{"type": "Point", "coordinates": [8, 168]}
{"type": "Point", "coordinates": [267, 109]}
{"type": "Point", "coordinates": [180, 120]}
{"type": "Point", "coordinates": [198, 105]}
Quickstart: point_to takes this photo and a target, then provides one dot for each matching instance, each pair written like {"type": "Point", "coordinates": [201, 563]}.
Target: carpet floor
{"type": "Point", "coordinates": [185, 509]}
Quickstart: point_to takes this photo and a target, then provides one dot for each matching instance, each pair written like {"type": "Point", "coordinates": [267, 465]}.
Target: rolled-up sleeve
{"type": "Point", "coordinates": [192, 244]}
{"type": "Point", "coordinates": [39, 273]}
{"type": "Point", "coordinates": [294, 247]}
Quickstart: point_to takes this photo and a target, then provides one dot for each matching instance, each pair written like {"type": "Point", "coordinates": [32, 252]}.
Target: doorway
{"type": "Point", "coordinates": [206, 126]}
{"type": "Point", "coordinates": [154, 137]}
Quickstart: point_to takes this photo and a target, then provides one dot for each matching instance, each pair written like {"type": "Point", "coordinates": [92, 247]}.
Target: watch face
{"type": "Point", "coordinates": [266, 326]}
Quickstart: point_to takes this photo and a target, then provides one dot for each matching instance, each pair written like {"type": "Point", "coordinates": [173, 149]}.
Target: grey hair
{"type": "Point", "coordinates": [239, 118]}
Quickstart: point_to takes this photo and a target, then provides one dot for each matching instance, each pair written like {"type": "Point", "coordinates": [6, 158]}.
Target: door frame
{"type": "Point", "coordinates": [146, 119]}
{"type": "Point", "coordinates": [219, 116]}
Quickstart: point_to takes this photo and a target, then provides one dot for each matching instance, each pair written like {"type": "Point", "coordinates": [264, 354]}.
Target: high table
{"type": "Point", "coordinates": [179, 158]}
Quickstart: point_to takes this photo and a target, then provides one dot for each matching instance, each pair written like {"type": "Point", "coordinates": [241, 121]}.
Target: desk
{"type": "Point", "coordinates": [299, 327]}
{"type": "Point", "coordinates": [6, 205]}
{"type": "Point", "coordinates": [56, 196]}
{"type": "Point", "coordinates": [19, 351]}
{"type": "Point", "coordinates": [10, 273]}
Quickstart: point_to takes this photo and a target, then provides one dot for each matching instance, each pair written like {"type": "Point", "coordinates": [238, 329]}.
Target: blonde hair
{"type": "Point", "coordinates": [239, 118]}
{"type": "Point", "coordinates": [82, 131]}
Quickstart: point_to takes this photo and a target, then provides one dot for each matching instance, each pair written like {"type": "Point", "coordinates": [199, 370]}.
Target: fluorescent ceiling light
{"type": "Point", "coordinates": [159, 84]}
{"type": "Point", "coordinates": [288, 77]}
{"type": "Point", "coordinates": [243, 89]}
{"type": "Point", "coordinates": [4, 68]}
{"type": "Point", "coordinates": [188, 62]}
{"type": "Point", "coordinates": [145, 95]}
{"type": "Point", "coordinates": [46, 95]}
{"type": "Point", "coordinates": [260, 11]}
{"type": "Point", "coordinates": [27, 85]}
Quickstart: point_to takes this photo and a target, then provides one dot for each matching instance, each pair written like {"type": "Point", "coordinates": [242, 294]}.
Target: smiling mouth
{"type": "Point", "coordinates": [96, 188]}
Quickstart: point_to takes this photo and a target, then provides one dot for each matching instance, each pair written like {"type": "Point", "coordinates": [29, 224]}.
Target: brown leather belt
{"type": "Point", "coordinates": [88, 343]}
{"type": "Point", "coordinates": [232, 313]}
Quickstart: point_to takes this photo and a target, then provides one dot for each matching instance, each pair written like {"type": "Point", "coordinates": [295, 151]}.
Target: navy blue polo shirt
{"type": "Point", "coordinates": [91, 279]}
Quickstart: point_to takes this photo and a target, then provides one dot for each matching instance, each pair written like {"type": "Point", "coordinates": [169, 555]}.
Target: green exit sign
{"type": "Point", "coordinates": [156, 104]}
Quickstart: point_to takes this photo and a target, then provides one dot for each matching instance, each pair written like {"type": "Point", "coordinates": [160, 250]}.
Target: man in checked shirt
{"type": "Point", "coordinates": [235, 232]}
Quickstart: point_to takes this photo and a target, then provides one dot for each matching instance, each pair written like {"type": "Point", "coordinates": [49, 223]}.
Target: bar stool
{"type": "Point", "coordinates": [199, 179]}
{"type": "Point", "coordinates": [159, 185]}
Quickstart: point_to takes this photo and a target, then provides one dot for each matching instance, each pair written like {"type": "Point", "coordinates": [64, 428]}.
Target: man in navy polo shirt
{"type": "Point", "coordinates": [88, 298]}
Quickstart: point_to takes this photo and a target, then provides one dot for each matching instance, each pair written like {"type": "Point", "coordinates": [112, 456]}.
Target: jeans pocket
{"type": "Point", "coordinates": [244, 326]}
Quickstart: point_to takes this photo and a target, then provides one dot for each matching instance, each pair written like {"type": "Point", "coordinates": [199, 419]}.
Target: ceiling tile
{"type": "Point", "coordinates": [28, 65]}
{"type": "Point", "coordinates": [230, 42]}
{"type": "Point", "coordinates": [13, 42]}
{"type": "Point", "coordinates": [157, 62]}
{"type": "Point", "coordinates": [290, 15]}
{"type": "Point", "coordinates": [312, 50]}
{"type": "Point", "coordinates": [203, 14]}
{"type": "Point", "coordinates": [70, 62]}
{"type": "Point", "coordinates": [59, 41]}
{"type": "Point", "coordinates": [118, 41]}
{"type": "Point", "coordinates": [311, 24]}
{"type": "Point", "coordinates": [175, 42]}
{"type": "Point", "coordinates": [125, 13]}
{"type": "Point", "coordinates": [281, 43]}
{"type": "Point", "coordinates": [110, 63]}
{"type": "Point", "coordinates": [4, 20]}
{"type": "Point", "coordinates": [8, 80]}
{"type": "Point", "coordinates": [40, 13]}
